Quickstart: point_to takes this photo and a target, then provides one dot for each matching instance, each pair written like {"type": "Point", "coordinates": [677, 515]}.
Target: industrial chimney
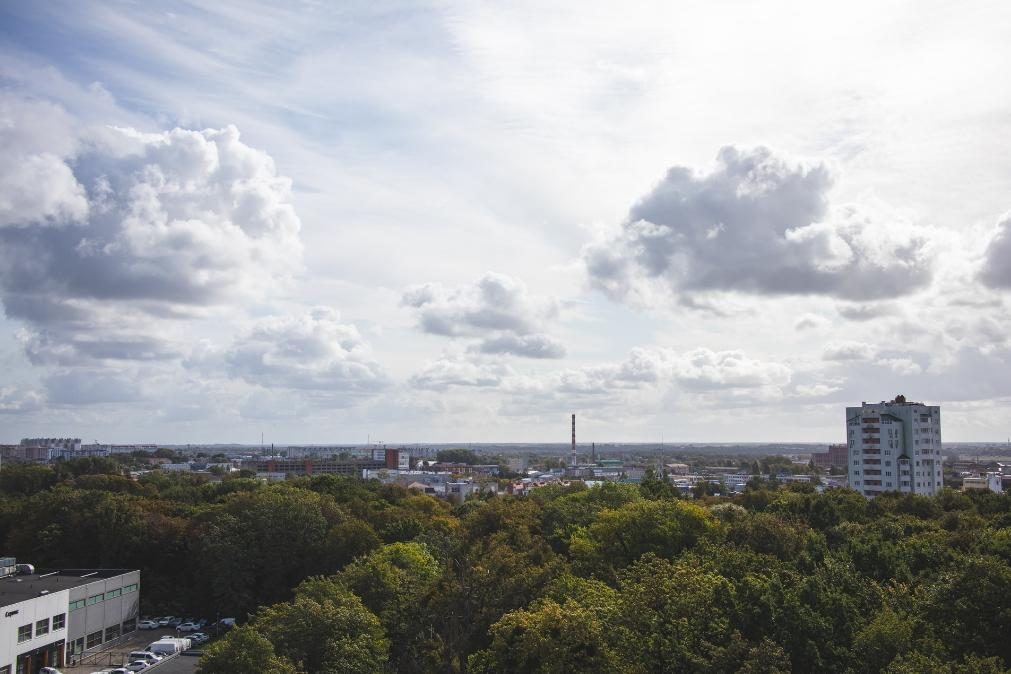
{"type": "Point", "coordinates": [573, 460]}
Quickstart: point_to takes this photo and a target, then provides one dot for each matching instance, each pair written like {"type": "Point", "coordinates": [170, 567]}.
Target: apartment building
{"type": "Point", "coordinates": [894, 446]}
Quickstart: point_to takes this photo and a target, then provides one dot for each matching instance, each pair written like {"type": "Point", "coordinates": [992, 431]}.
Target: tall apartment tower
{"type": "Point", "coordinates": [894, 446]}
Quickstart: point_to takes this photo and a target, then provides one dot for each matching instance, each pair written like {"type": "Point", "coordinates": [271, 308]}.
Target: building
{"type": "Point", "coordinates": [274, 466]}
{"type": "Point", "coordinates": [989, 481]}
{"type": "Point", "coordinates": [894, 446]}
{"type": "Point", "coordinates": [54, 618]}
{"type": "Point", "coordinates": [836, 457]}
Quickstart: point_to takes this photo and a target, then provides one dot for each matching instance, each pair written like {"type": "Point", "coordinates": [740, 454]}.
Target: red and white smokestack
{"type": "Point", "coordinates": [573, 461]}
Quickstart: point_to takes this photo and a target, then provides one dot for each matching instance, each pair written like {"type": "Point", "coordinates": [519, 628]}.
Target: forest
{"type": "Point", "coordinates": [331, 574]}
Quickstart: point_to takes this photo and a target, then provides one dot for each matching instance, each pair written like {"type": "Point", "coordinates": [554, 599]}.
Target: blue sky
{"type": "Point", "coordinates": [462, 222]}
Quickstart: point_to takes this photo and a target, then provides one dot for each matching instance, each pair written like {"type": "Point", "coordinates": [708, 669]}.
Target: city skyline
{"type": "Point", "coordinates": [448, 223]}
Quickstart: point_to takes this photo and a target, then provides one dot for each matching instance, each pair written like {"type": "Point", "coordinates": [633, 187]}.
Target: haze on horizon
{"type": "Point", "coordinates": [459, 222]}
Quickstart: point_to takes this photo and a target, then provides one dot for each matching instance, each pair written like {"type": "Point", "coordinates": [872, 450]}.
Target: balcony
{"type": "Point", "coordinates": [871, 429]}
{"type": "Point", "coordinates": [872, 441]}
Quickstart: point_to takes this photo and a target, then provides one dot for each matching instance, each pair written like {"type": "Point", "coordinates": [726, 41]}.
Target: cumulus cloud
{"type": "Point", "coordinates": [848, 350]}
{"type": "Point", "coordinates": [530, 346]}
{"type": "Point", "coordinates": [312, 352]}
{"type": "Point", "coordinates": [36, 184]}
{"type": "Point", "coordinates": [445, 373]}
{"type": "Point", "coordinates": [902, 366]}
{"type": "Point", "coordinates": [815, 390]}
{"type": "Point", "coordinates": [497, 309]}
{"type": "Point", "coordinates": [103, 228]}
{"type": "Point", "coordinates": [996, 269]}
{"type": "Point", "coordinates": [760, 224]}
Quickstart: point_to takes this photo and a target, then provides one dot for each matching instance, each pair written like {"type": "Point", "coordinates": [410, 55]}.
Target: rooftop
{"type": "Point", "coordinates": [14, 589]}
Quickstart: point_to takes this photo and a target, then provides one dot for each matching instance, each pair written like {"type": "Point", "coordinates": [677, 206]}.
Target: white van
{"type": "Point", "coordinates": [165, 647]}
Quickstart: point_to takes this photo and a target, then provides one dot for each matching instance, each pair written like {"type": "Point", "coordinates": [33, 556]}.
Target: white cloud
{"type": "Point", "coordinates": [130, 228]}
{"type": "Point", "coordinates": [313, 352]}
{"type": "Point", "coordinates": [37, 186]}
{"type": "Point", "coordinates": [996, 269]}
{"type": "Point", "coordinates": [848, 350]}
{"type": "Point", "coordinates": [815, 390]}
{"type": "Point", "coordinates": [757, 224]}
{"type": "Point", "coordinates": [698, 370]}
{"type": "Point", "coordinates": [497, 309]}
{"type": "Point", "coordinates": [902, 366]}
{"type": "Point", "coordinates": [445, 373]}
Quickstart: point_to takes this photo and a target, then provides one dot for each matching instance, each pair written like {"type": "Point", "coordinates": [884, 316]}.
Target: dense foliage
{"type": "Point", "coordinates": [338, 575]}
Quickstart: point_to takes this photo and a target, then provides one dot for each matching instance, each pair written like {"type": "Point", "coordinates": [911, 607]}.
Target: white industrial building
{"type": "Point", "coordinates": [894, 446]}
{"type": "Point", "coordinates": [53, 618]}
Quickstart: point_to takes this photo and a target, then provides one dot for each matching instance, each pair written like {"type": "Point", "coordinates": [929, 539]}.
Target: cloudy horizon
{"type": "Point", "coordinates": [453, 222]}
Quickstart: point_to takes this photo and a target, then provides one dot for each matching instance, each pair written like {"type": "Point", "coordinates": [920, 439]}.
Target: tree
{"type": "Point", "coordinates": [549, 638]}
{"type": "Point", "coordinates": [457, 456]}
{"type": "Point", "coordinates": [676, 616]}
{"type": "Point", "coordinates": [242, 651]}
{"type": "Point", "coordinates": [970, 605]}
{"type": "Point", "coordinates": [619, 537]}
{"type": "Point", "coordinates": [393, 582]}
{"type": "Point", "coordinates": [887, 636]}
{"type": "Point", "coordinates": [336, 635]}
{"type": "Point", "coordinates": [26, 479]}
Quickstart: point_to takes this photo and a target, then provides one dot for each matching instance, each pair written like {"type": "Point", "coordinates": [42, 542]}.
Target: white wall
{"type": "Point", "coordinates": [29, 611]}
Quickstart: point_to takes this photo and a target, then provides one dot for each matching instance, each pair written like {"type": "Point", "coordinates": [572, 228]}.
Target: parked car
{"type": "Point", "coordinates": [138, 665]}
{"type": "Point", "coordinates": [49, 670]}
{"type": "Point", "coordinates": [198, 637]}
{"type": "Point", "coordinates": [147, 625]}
{"type": "Point", "coordinates": [202, 623]}
{"type": "Point", "coordinates": [165, 621]}
{"type": "Point", "coordinates": [117, 670]}
{"type": "Point", "coordinates": [175, 622]}
{"type": "Point", "coordinates": [188, 627]}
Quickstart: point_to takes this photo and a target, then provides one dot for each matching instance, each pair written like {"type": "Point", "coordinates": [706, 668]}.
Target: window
{"type": "Point", "coordinates": [6, 669]}
{"type": "Point", "coordinates": [129, 625]}
{"type": "Point", "coordinates": [42, 627]}
{"type": "Point", "coordinates": [74, 605]}
{"type": "Point", "coordinates": [130, 588]}
{"type": "Point", "coordinates": [112, 594]}
{"type": "Point", "coordinates": [112, 633]}
{"type": "Point", "coordinates": [25, 633]}
{"type": "Point", "coordinates": [95, 639]}
{"type": "Point", "coordinates": [59, 621]}
{"type": "Point", "coordinates": [95, 598]}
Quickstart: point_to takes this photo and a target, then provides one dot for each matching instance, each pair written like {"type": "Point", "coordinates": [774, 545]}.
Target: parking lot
{"type": "Point", "coordinates": [118, 655]}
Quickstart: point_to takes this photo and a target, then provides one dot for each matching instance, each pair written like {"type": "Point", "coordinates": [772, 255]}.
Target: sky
{"type": "Point", "coordinates": [462, 222]}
